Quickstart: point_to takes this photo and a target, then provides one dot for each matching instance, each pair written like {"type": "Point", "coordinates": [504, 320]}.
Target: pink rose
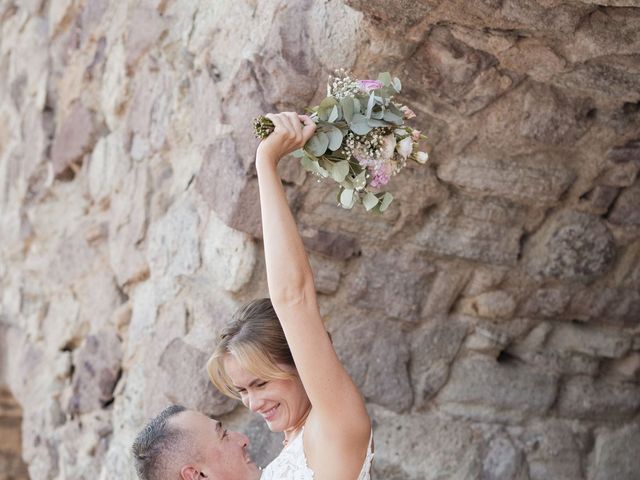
{"type": "Point", "coordinates": [415, 135]}
{"type": "Point", "coordinates": [368, 85]}
{"type": "Point", "coordinates": [408, 113]}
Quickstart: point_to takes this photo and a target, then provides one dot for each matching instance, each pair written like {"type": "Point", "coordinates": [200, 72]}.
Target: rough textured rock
{"type": "Point", "coordinates": [553, 450]}
{"type": "Point", "coordinates": [483, 231]}
{"type": "Point", "coordinates": [534, 179]}
{"type": "Point", "coordinates": [376, 354]}
{"type": "Point", "coordinates": [97, 369]}
{"type": "Point", "coordinates": [503, 461]}
{"type": "Point", "coordinates": [192, 387]}
{"type": "Point", "coordinates": [612, 458]}
{"type": "Point", "coordinates": [572, 246]}
{"type": "Point", "coordinates": [485, 390]}
{"type": "Point", "coordinates": [393, 284]}
{"type": "Point", "coordinates": [228, 189]}
{"type": "Point", "coordinates": [433, 349]}
{"type": "Point", "coordinates": [583, 397]}
{"type": "Point", "coordinates": [73, 140]}
{"type": "Point", "coordinates": [490, 316]}
{"type": "Point", "coordinates": [399, 456]}
{"type": "Point", "coordinates": [625, 210]}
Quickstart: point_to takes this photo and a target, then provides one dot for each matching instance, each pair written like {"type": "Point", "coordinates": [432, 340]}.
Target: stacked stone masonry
{"type": "Point", "coordinates": [491, 317]}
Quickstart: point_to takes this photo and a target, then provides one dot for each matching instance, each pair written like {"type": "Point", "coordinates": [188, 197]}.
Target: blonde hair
{"type": "Point", "coordinates": [255, 338]}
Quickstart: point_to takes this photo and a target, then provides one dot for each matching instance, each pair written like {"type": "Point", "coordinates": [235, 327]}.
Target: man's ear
{"type": "Point", "coordinates": [189, 472]}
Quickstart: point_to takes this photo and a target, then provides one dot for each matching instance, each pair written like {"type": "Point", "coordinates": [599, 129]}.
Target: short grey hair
{"type": "Point", "coordinates": [155, 443]}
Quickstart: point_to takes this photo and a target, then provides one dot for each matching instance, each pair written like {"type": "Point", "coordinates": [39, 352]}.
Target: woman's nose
{"type": "Point", "coordinates": [255, 402]}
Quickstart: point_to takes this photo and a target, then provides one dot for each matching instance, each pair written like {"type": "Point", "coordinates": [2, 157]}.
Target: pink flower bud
{"type": "Point", "coordinates": [368, 85]}
{"type": "Point", "coordinates": [408, 113]}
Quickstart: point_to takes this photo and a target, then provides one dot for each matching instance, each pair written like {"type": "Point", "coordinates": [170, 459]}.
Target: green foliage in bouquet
{"type": "Point", "coordinates": [361, 139]}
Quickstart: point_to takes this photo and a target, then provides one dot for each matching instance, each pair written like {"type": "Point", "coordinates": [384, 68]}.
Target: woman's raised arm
{"type": "Point", "coordinates": [333, 395]}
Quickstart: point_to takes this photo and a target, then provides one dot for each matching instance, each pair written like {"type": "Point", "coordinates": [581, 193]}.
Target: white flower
{"type": "Point", "coordinates": [422, 157]}
{"type": "Point", "coordinates": [388, 146]}
{"type": "Point", "coordinates": [405, 147]}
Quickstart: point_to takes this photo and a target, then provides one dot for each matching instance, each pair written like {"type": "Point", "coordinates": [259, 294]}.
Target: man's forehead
{"type": "Point", "coordinates": [193, 421]}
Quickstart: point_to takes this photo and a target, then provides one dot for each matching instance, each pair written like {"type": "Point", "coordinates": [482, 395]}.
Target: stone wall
{"type": "Point", "coordinates": [491, 317]}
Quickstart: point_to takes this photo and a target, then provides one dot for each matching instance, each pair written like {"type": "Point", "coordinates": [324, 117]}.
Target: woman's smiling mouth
{"type": "Point", "coordinates": [269, 414]}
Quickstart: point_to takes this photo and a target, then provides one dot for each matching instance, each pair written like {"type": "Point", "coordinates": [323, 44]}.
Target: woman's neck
{"type": "Point", "coordinates": [292, 432]}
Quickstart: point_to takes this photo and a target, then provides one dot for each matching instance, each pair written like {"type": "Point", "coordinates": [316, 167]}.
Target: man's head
{"type": "Point", "coordinates": [181, 444]}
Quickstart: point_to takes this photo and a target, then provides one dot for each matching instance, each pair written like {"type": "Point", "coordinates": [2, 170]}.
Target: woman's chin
{"type": "Point", "coordinates": [274, 426]}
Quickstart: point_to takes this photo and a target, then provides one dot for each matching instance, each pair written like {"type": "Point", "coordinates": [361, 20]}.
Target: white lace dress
{"type": "Point", "coordinates": [291, 464]}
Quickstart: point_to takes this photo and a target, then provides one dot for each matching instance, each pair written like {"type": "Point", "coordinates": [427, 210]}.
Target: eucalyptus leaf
{"type": "Point", "coordinates": [323, 114]}
{"type": "Point", "coordinates": [396, 84]}
{"type": "Point", "coordinates": [385, 77]}
{"type": "Point", "coordinates": [387, 198]}
{"type": "Point", "coordinates": [334, 115]}
{"type": "Point", "coordinates": [359, 125]}
{"type": "Point", "coordinates": [298, 153]}
{"type": "Point", "coordinates": [347, 198]}
{"type": "Point", "coordinates": [335, 138]}
{"type": "Point", "coordinates": [347, 108]}
{"type": "Point", "coordinates": [328, 103]}
{"type": "Point", "coordinates": [340, 171]}
{"type": "Point", "coordinates": [360, 181]}
{"type": "Point", "coordinates": [394, 109]}
{"type": "Point", "coordinates": [357, 105]}
{"type": "Point", "coordinates": [372, 122]}
{"type": "Point", "coordinates": [389, 116]}
{"type": "Point", "coordinates": [378, 114]}
{"type": "Point", "coordinates": [369, 201]}
{"type": "Point", "coordinates": [370, 104]}
{"type": "Point", "coordinates": [318, 144]}
{"type": "Point", "coordinates": [313, 166]}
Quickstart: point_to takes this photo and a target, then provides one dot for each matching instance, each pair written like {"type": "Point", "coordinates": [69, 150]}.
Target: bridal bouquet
{"type": "Point", "coordinates": [361, 139]}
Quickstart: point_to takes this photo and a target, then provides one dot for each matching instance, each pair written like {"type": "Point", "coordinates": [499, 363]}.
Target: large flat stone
{"type": "Point", "coordinates": [336, 245]}
{"type": "Point", "coordinates": [128, 224]}
{"type": "Point", "coordinates": [584, 398]}
{"type": "Point", "coordinates": [376, 354]}
{"type": "Point", "coordinates": [615, 76]}
{"type": "Point", "coordinates": [487, 231]}
{"type": "Point", "coordinates": [73, 139]}
{"type": "Point", "coordinates": [626, 209]}
{"type": "Point", "coordinates": [455, 73]}
{"type": "Point", "coordinates": [394, 283]}
{"type": "Point", "coordinates": [228, 256]}
{"type": "Point", "coordinates": [446, 448]}
{"type": "Point", "coordinates": [572, 337]}
{"type": "Point", "coordinates": [97, 369]}
{"type": "Point", "coordinates": [553, 450]}
{"type": "Point", "coordinates": [613, 453]}
{"type": "Point", "coordinates": [482, 389]}
{"type": "Point", "coordinates": [537, 179]}
{"type": "Point", "coordinates": [229, 189]}
{"type": "Point", "coordinates": [615, 306]}
{"type": "Point", "coordinates": [433, 348]}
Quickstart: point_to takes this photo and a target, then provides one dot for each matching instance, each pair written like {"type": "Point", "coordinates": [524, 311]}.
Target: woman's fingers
{"type": "Point", "coordinates": [294, 121]}
{"type": "Point", "coordinates": [277, 121]}
{"type": "Point", "coordinates": [309, 127]}
{"type": "Point", "coordinates": [286, 119]}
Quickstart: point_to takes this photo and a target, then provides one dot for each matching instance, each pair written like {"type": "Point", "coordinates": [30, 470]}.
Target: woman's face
{"type": "Point", "coordinates": [282, 403]}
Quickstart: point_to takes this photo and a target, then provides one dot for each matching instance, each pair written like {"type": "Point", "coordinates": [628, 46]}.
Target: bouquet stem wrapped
{"type": "Point", "coordinates": [361, 139]}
